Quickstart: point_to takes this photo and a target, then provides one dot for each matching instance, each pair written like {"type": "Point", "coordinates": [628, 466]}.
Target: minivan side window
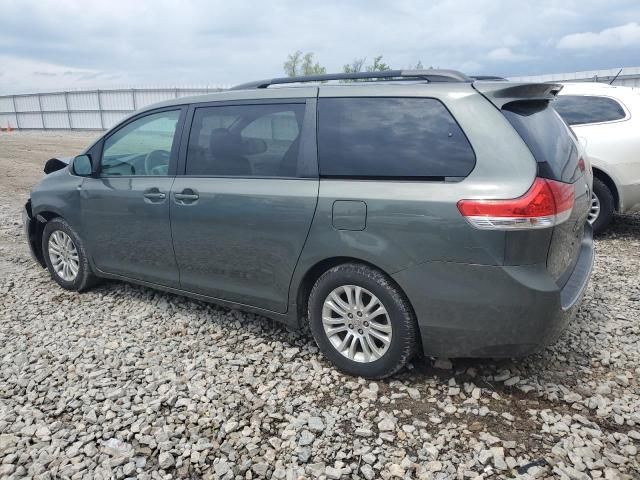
{"type": "Point", "coordinates": [142, 147]}
{"type": "Point", "coordinates": [245, 140]}
{"type": "Point", "coordinates": [582, 109]}
{"type": "Point", "coordinates": [390, 138]}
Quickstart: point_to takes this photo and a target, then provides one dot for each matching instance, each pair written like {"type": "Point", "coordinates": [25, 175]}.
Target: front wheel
{"type": "Point", "coordinates": [65, 256]}
{"type": "Point", "coordinates": [361, 321]}
{"type": "Point", "coordinates": [602, 206]}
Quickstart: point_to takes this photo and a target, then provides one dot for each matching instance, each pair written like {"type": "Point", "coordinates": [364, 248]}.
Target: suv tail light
{"type": "Point", "coordinates": [547, 203]}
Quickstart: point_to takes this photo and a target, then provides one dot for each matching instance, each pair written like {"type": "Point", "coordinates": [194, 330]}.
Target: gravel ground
{"type": "Point", "coordinates": [124, 381]}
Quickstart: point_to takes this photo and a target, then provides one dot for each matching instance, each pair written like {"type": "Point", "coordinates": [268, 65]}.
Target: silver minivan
{"type": "Point", "coordinates": [396, 212]}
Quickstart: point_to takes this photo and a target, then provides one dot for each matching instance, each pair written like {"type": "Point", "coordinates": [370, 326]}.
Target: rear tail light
{"type": "Point", "coordinates": [547, 203]}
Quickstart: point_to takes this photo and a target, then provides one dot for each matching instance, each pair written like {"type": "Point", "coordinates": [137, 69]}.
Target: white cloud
{"type": "Point", "coordinates": [616, 37]}
{"type": "Point", "coordinates": [505, 54]}
{"type": "Point", "coordinates": [35, 75]}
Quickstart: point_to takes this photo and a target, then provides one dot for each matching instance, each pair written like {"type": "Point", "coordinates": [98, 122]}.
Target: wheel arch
{"type": "Point", "coordinates": [315, 271]}
{"type": "Point", "coordinates": [610, 183]}
{"type": "Point", "coordinates": [41, 219]}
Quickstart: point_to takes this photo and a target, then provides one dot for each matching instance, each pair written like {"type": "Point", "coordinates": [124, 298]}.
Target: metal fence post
{"type": "Point", "coordinates": [66, 104]}
{"type": "Point", "coordinates": [133, 98]}
{"type": "Point", "coordinates": [15, 109]}
{"type": "Point", "coordinates": [100, 110]}
{"type": "Point", "coordinates": [44, 127]}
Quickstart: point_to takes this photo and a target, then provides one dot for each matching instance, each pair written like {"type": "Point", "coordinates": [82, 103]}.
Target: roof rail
{"type": "Point", "coordinates": [430, 75]}
{"type": "Point", "coordinates": [488, 78]}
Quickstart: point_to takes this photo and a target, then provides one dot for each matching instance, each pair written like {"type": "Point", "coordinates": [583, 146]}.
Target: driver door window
{"type": "Point", "coordinates": [142, 147]}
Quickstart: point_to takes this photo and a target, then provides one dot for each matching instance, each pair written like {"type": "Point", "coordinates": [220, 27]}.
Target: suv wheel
{"type": "Point", "coordinates": [65, 256]}
{"type": "Point", "coordinates": [361, 321]}
{"type": "Point", "coordinates": [602, 206]}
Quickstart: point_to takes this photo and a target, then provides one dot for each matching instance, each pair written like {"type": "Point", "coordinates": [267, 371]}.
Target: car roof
{"type": "Point", "coordinates": [312, 91]}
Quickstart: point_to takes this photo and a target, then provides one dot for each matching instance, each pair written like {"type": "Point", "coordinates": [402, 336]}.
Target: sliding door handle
{"type": "Point", "coordinates": [187, 195]}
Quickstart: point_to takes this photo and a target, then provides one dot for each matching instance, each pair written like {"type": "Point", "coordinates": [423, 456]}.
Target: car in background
{"type": "Point", "coordinates": [607, 118]}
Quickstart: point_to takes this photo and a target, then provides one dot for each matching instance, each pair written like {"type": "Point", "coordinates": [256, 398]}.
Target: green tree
{"type": "Point", "coordinates": [355, 66]}
{"type": "Point", "coordinates": [302, 64]}
{"type": "Point", "coordinates": [311, 68]}
{"type": "Point", "coordinates": [378, 65]}
{"type": "Point", "coordinates": [292, 65]}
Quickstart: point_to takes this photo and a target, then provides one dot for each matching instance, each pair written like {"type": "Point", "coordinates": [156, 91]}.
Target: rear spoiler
{"type": "Point", "coordinates": [500, 93]}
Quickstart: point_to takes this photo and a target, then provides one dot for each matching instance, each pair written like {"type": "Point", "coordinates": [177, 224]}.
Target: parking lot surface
{"type": "Point", "coordinates": [124, 381]}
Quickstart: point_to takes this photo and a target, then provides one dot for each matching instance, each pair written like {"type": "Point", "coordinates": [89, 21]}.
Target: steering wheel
{"type": "Point", "coordinates": [157, 162]}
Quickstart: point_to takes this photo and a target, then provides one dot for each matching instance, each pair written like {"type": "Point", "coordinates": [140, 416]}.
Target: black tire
{"type": "Point", "coordinates": [84, 279]}
{"type": "Point", "coordinates": [607, 206]}
{"type": "Point", "coordinates": [401, 317]}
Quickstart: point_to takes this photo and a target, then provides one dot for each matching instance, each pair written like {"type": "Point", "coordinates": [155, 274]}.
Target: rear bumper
{"type": "Point", "coordinates": [492, 311]}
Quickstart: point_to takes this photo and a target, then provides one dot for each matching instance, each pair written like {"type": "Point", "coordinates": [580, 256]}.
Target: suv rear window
{"type": "Point", "coordinates": [547, 136]}
{"type": "Point", "coordinates": [390, 138]}
{"type": "Point", "coordinates": [581, 109]}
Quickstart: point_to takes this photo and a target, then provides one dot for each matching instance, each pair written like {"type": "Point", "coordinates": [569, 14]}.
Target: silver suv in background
{"type": "Point", "coordinates": [608, 119]}
{"type": "Point", "coordinates": [405, 212]}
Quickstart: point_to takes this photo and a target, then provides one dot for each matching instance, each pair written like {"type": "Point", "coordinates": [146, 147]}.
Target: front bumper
{"type": "Point", "coordinates": [30, 226]}
{"type": "Point", "coordinates": [492, 311]}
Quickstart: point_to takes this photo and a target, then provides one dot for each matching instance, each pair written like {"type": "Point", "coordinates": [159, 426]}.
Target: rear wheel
{"type": "Point", "coordinates": [361, 321]}
{"type": "Point", "coordinates": [602, 206]}
{"type": "Point", "coordinates": [65, 256]}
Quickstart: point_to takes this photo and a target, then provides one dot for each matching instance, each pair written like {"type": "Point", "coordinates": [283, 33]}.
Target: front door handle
{"type": "Point", "coordinates": [188, 195]}
{"type": "Point", "coordinates": [154, 195]}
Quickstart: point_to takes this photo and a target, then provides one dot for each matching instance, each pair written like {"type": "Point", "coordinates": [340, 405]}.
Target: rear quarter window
{"type": "Point", "coordinates": [390, 138]}
{"type": "Point", "coordinates": [547, 136]}
{"type": "Point", "coordinates": [583, 109]}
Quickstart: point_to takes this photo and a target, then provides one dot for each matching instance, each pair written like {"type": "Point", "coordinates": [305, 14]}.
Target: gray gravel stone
{"type": "Point", "coordinates": [165, 460]}
{"type": "Point", "coordinates": [315, 424]}
{"type": "Point", "coordinates": [386, 424]}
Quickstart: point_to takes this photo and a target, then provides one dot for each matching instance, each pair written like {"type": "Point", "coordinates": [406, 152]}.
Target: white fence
{"type": "Point", "coordinates": [626, 77]}
{"type": "Point", "coordinates": [82, 110]}
{"type": "Point", "coordinates": [101, 109]}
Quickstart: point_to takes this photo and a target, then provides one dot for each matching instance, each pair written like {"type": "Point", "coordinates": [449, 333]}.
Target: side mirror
{"type": "Point", "coordinates": [82, 166]}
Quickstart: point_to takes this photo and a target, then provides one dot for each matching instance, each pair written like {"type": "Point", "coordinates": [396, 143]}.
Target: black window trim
{"type": "Point", "coordinates": [627, 114]}
{"type": "Point", "coordinates": [308, 151]}
{"type": "Point", "coordinates": [98, 147]}
{"type": "Point", "coordinates": [391, 178]}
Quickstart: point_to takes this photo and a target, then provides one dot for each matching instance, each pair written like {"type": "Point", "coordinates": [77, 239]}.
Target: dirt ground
{"type": "Point", "coordinates": [22, 156]}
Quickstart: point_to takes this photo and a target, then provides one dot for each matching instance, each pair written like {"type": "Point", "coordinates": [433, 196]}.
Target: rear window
{"type": "Point", "coordinates": [390, 138]}
{"type": "Point", "coordinates": [548, 138]}
{"type": "Point", "coordinates": [581, 109]}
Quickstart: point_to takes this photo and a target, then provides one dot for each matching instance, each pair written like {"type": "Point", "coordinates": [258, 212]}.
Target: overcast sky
{"type": "Point", "coordinates": [60, 44]}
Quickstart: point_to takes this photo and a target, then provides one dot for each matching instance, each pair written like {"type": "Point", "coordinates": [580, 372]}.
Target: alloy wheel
{"type": "Point", "coordinates": [64, 256]}
{"type": "Point", "coordinates": [357, 323]}
{"type": "Point", "coordinates": [594, 211]}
